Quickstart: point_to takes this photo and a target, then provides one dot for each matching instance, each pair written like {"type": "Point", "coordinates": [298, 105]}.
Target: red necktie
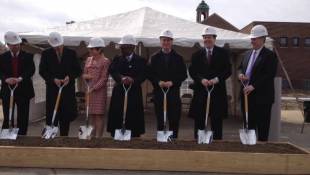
{"type": "Point", "coordinates": [15, 66]}
{"type": "Point", "coordinates": [209, 56]}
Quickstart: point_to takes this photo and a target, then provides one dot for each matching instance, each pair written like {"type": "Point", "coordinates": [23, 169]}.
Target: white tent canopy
{"type": "Point", "coordinates": [145, 24]}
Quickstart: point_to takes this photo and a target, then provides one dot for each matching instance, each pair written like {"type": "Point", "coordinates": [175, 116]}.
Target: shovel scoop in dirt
{"type": "Point", "coordinates": [12, 132]}
{"type": "Point", "coordinates": [205, 136]}
{"type": "Point", "coordinates": [50, 132]}
{"type": "Point", "coordinates": [123, 134]}
{"type": "Point", "coordinates": [85, 131]}
{"type": "Point", "coordinates": [165, 135]}
{"type": "Point", "coordinates": [247, 136]}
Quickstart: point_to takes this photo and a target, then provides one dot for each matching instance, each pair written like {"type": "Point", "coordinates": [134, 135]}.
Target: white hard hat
{"type": "Point", "coordinates": [55, 39]}
{"type": "Point", "coordinates": [258, 31]}
{"type": "Point", "coordinates": [166, 33]}
{"type": "Point", "coordinates": [12, 38]}
{"type": "Point", "coordinates": [96, 42]}
{"type": "Point", "coordinates": [128, 39]}
{"type": "Point", "coordinates": [209, 31]}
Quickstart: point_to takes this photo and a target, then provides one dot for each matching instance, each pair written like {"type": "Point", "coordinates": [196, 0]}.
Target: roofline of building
{"type": "Point", "coordinates": [224, 20]}
{"type": "Point", "coordinates": [272, 22]}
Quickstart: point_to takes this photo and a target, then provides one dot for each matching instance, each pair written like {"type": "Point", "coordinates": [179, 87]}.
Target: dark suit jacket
{"type": "Point", "coordinates": [219, 67]}
{"type": "Point", "coordinates": [263, 73]}
{"type": "Point", "coordinates": [174, 70]}
{"type": "Point", "coordinates": [51, 68]}
{"type": "Point", "coordinates": [26, 70]}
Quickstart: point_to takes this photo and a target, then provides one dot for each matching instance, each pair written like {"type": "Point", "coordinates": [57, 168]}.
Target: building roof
{"type": "Point", "coordinates": [217, 21]}
{"type": "Point", "coordinates": [278, 29]}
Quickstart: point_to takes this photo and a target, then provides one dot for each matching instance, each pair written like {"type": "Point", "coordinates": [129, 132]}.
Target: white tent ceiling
{"type": "Point", "coordinates": [145, 24]}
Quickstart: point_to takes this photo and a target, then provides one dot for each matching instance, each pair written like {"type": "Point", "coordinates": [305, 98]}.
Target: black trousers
{"type": "Point", "coordinates": [61, 120]}
{"type": "Point", "coordinates": [215, 117]}
{"type": "Point", "coordinates": [22, 105]}
{"type": "Point", "coordinates": [259, 119]}
{"type": "Point", "coordinates": [173, 110]}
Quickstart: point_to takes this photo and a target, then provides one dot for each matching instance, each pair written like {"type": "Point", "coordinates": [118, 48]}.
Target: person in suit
{"type": "Point", "coordinates": [166, 69]}
{"type": "Point", "coordinates": [210, 66]}
{"type": "Point", "coordinates": [16, 68]}
{"type": "Point", "coordinates": [127, 69]}
{"type": "Point", "coordinates": [258, 70]}
{"type": "Point", "coordinates": [59, 65]}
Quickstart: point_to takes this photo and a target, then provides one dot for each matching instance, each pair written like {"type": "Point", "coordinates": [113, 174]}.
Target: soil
{"type": "Point", "coordinates": [222, 146]}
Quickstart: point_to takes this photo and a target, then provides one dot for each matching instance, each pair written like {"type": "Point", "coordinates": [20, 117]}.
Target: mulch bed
{"type": "Point", "coordinates": [221, 146]}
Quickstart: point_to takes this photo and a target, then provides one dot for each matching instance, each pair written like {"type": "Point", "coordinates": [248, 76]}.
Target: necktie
{"type": "Point", "coordinates": [58, 56]}
{"type": "Point", "coordinates": [209, 56]}
{"type": "Point", "coordinates": [15, 66]}
{"type": "Point", "coordinates": [250, 65]}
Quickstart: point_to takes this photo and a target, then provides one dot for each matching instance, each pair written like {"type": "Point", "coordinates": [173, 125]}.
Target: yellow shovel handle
{"type": "Point", "coordinates": [246, 108]}
{"type": "Point", "coordinates": [125, 102]}
{"type": "Point", "coordinates": [57, 101]}
{"type": "Point", "coordinates": [11, 102]}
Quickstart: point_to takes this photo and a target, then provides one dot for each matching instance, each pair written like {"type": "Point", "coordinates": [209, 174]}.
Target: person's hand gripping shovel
{"type": "Point", "coordinates": [165, 135]}
{"type": "Point", "coordinates": [205, 136]}
{"type": "Point", "coordinates": [123, 134]}
{"type": "Point", "coordinates": [50, 132]}
{"type": "Point", "coordinates": [247, 136]}
{"type": "Point", "coordinates": [12, 132]}
{"type": "Point", "coordinates": [85, 131]}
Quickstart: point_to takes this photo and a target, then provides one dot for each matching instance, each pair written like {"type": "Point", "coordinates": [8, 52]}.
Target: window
{"type": "Point", "coordinates": [307, 42]}
{"type": "Point", "coordinates": [283, 41]}
{"type": "Point", "coordinates": [295, 42]}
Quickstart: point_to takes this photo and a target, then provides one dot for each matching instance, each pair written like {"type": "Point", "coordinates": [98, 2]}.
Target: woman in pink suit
{"type": "Point", "coordinates": [96, 77]}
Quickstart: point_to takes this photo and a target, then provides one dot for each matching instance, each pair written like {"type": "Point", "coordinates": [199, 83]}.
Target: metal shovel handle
{"type": "Point", "coordinates": [209, 90]}
{"type": "Point", "coordinates": [165, 92]}
{"type": "Point", "coordinates": [57, 103]}
{"type": "Point", "coordinates": [125, 106]}
{"type": "Point", "coordinates": [87, 103]}
{"type": "Point", "coordinates": [246, 105]}
{"type": "Point", "coordinates": [12, 89]}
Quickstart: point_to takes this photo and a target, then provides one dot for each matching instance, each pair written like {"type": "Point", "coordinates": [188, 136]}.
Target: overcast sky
{"type": "Point", "coordinates": [29, 15]}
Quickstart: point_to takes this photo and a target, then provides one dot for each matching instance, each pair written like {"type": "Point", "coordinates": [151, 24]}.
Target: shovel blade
{"type": "Point", "coordinates": [163, 136]}
{"type": "Point", "coordinates": [122, 136]}
{"type": "Point", "coordinates": [205, 137]}
{"type": "Point", "coordinates": [49, 132]}
{"type": "Point", "coordinates": [243, 136]}
{"type": "Point", "coordinates": [85, 132]}
{"type": "Point", "coordinates": [10, 134]}
{"type": "Point", "coordinates": [247, 137]}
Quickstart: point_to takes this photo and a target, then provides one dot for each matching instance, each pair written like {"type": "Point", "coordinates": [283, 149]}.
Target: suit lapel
{"type": "Point", "coordinates": [9, 64]}
{"type": "Point", "coordinates": [204, 56]}
{"type": "Point", "coordinates": [258, 59]}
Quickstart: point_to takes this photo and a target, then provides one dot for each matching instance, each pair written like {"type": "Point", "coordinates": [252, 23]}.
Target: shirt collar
{"type": "Point", "coordinates": [211, 49]}
{"type": "Point", "coordinates": [14, 55]}
{"type": "Point", "coordinates": [129, 58]}
{"type": "Point", "coordinates": [257, 51]}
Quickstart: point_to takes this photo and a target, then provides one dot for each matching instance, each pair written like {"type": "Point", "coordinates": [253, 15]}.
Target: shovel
{"type": "Point", "coordinates": [205, 136]}
{"type": "Point", "coordinates": [165, 135]}
{"type": "Point", "coordinates": [86, 130]}
{"type": "Point", "coordinates": [123, 134]}
{"type": "Point", "coordinates": [12, 132]}
{"type": "Point", "coordinates": [50, 132]}
{"type": "Point", "coordinates": [247, 136]}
